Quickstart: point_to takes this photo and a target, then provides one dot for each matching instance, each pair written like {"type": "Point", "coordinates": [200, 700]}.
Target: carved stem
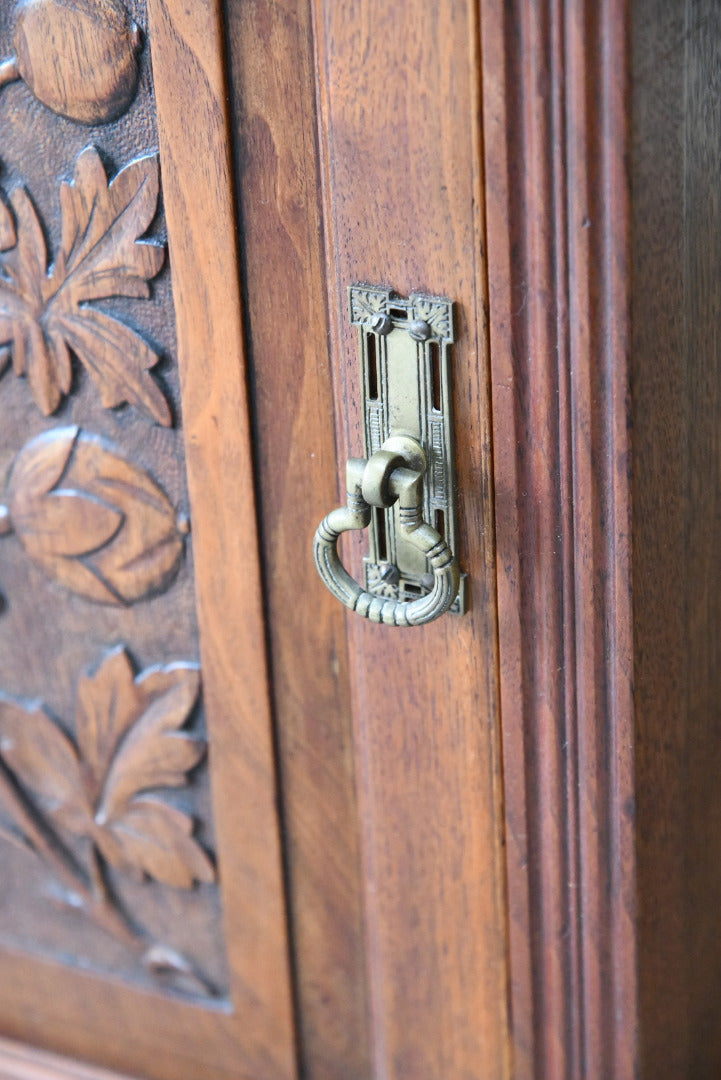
{"type": "Point", "coordinates": [97, 906]}
{"type": "Point", "coordinates": [9, 71]}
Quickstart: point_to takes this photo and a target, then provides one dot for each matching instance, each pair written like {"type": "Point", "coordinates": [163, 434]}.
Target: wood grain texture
{"type": "Point", "coordinates": [403, 207]}
{"type": "Point", "coordinates": [660, 529]}
{"type": "Point", "coordinates": [248, 1035]}
{"type": "Point", "coordinates": [91, 519]}
{"type": "Point", "coordinates": [555, 98]}
{"type": "Point", "coordinates": [676, 164]}
{"type": "Point", "coordinates": [19, 1062]}
{"type": "Point", "coordinates": [82, 806]}
{"type": "Point", "coordinates": [79, 57]}
{"type": "Point", "coordinates": [50, 634]}
{"type": "Point", "coordinates": [46, 313]}
{"type": "Point", "coordinates": [273, 93]}
{"type": "Point", "coordinates": [199, 200]}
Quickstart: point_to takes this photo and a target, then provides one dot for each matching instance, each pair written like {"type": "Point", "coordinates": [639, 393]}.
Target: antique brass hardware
{"type": "Point", "coordinates": [404, 488]}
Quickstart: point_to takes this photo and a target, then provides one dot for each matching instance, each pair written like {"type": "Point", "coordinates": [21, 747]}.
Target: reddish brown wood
{"type": "Point", "coordinates": [398, 900]}
{"type": "Point", "coordinates": [128, 740]}
{"type": "Point", "coordinates": [250, 1032]}
{"type": "Point", "coordinates": [91, 519]}
{"type": "Point", "coordinates": [273, 84]}
{"type": "Point", "coordinates": [79, 58]}
{"type": "Point", "coordinates": [402, 199]}
{"type": "Point", "coordinates": [46, 313]}
{"type": "Point", "coordinates": [201, 225]}
{"type": "Point", "coordinates": [555, 100]}
{"type": "Point", "coordinates": [677, 531]}
{"type": "Point", "coordinates": [19, 1062]}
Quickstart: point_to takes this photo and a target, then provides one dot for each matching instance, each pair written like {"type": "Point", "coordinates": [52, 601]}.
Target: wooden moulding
{"type": "Point", "coordinates": [187, 43]}
{"type": "Point", "coordinates": [555, 94]}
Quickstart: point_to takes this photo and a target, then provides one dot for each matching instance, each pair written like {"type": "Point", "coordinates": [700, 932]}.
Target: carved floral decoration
{"type": "Point", "coordinates": [92, 520]}
{"type": "Point", "coordinates": [111, 800]}
{"type": "Point", "coordinates": [48, 314]}
{"type": "Point", "coordinates": [84, 804]}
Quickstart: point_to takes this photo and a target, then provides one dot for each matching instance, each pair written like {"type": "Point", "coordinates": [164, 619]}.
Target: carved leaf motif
{"type": "Point", "coordinates": [154, 753]}
{"type": "Point", "coordinates": [106, 707]}
{"type": "Point", "coordinates": [129, 734]}
{"type": "Point", "coordinates": [154, 838]}
{"type": "Point", "coordinates": [43, 758]}
{"type": "Point", "coordinates": [44, 316]}
{"type": "Point", "coordinates": [93, 521]}
{"type": "Point", "coordinates": [164, 961]}
{"type": "Point", "coordinates": [7, 227]}
{"type": "Point", "coordinates": [129, 743]}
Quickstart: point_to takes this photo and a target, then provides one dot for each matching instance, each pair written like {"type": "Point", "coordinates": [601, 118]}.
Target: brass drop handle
{"type": "Point", "coordinates": [393, 473]}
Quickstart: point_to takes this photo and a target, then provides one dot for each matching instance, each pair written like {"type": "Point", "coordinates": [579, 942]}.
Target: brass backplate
{"type": "Point", "coordinates": [405, 348]}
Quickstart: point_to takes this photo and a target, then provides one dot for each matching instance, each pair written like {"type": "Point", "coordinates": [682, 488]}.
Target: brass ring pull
{"type": "Point", "coordinates": [393, 473]}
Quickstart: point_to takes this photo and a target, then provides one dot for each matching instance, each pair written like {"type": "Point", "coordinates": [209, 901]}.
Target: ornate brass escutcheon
{"type": "Point", "coordinates": [404, 489]}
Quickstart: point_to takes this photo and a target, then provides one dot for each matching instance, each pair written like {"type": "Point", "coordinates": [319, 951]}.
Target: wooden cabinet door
{"type": "Point", "coordinates": [143, 916]}
{"type": "Point", "coordinates": [359, 160]}
{"type": "Point", "coordinates": [150, 921]}
{"type": "Point", "coordinates": [408, 853]}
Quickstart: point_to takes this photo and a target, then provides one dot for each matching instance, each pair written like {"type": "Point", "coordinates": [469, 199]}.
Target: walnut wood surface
{"type": "Point", "coordinates": [420, 947]}
{"type": "Point", "coordinates": [555, 97]}
{"type": "Point", "coordinates": [676, 165]}
{"type": "Point", "coordinates": [91, 519]}
{"type": "Point", "coordinates": [19, 1062]}
{"type": "Point", "coordinates": [402, 205]}
{"type": "Point", "coordinates": [94, 495]}
{"type": "Point", "coordinates": [79, 57]}
{"type": "Point", "coordinates": [273, 87]}
{"type": "Point", "coordinates": [250, 1033]}
{"type": "Point", "coordinates": [128, 740]}
{"type": "Point", "coordinates": [195, 149]}
{"type": "Point", "coordinates": [44, 314]}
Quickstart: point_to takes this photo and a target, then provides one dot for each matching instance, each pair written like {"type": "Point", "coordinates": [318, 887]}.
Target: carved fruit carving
{"type": "Point", "coordinates": [91, 520]}
{"type": "Point", "coordinates": [84, 804]}
{"type": "Point", "coordinates": [46, 315]}
{"type": "Point", "coordinates": [78, 57]}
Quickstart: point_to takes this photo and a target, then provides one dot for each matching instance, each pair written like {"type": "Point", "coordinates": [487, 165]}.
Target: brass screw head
{"type": "Point", "coordinates": [419, 330]}
{"type": "Point", "coordinates": [390, 574]}
{"type": "Point", "coordinates": [381, 324]}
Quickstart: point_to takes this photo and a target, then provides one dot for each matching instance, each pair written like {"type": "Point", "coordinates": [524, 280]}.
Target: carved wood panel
{"type": "Point", "coordinates": [106, 830]}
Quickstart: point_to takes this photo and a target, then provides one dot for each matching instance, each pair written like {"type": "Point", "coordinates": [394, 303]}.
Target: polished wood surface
{"type": "Point", "coordinates": [20, 1062]}
{"type": "Point", "coordinates": [79, 59]}
{"type": "Point", "coordinates": [482, 849]}
{"type": "Point", "coordinates": [273, 94]}
{"type": "Point", "coordinates": [403, 206]}
{"type": "Point", "coordinates": [677, 532]}
{"type": "Point", "coordinates": [555, 99]}
{"type": "Point", "coordinates": [122, 711]}
{"type": "Point", "coordinates": [201, 224]}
